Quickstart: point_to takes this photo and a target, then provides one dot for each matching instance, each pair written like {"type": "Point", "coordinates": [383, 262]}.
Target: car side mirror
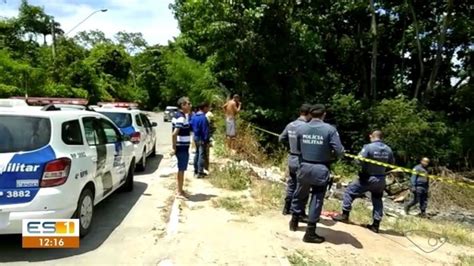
{"type": "Point", "coordinates": [154, 124]}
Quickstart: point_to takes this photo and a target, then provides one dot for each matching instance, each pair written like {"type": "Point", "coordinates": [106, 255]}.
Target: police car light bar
{"type": "Point", "coordinates": [119, 104]}
{"type": "Point", "coordinates": [52, 100]}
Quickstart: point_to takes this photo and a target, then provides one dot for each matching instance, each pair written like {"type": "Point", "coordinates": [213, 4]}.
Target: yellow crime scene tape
{"type": "Point", "coordinates": [403, 169]}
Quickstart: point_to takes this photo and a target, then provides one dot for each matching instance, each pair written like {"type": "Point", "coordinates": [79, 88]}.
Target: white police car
{"type": "Point", "coordinates": [59, 164]}
{"type": "Point", "coordinates": [135, 124]}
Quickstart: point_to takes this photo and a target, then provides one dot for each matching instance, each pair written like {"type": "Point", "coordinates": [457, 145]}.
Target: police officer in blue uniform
{"type": "Point", "coordinates": [419, 187]}
{"type": "Point", "coordinates": [371, 178]}
{"type": "Point", "coordinates": [316, 142]}
{"type": "Point", "coordinates": [289, 135]}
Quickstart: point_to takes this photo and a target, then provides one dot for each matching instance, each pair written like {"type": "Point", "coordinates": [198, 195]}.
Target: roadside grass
{"type": "Point", "coordinates": [445, 196]}
{"type": "Point", "coordinates": [268, 194]}
{"type": "Point", "coordinates": [233, 204]}
{"type": "Point", "coordinates": [302, 258]}
{"type": "Point", "coordinates": [465, 260]}
{"type": "Point", "coordinates": [230, 176]}
{"type": "Point", "coordinates": [455, 233]}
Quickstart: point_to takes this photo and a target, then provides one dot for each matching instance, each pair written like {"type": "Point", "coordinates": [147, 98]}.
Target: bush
{"type": "Point", "coordinates": [409, 129]}
{"type": "Point", "coordinates": [231, 177]}
{"type": "Point", "coordinates": [346, 171]}
{"type": "Point", "coordinates": [8, 91]}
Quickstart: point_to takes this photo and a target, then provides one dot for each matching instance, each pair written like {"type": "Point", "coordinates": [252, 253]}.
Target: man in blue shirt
{"type": "Point", "coordinates": [200, 127]}
{"type": "Point", "coordinates": [371, 178]}
{"type": "Point", "coordinates": [181, 140]}
{"type": "Point", "coordinates": [419, 187]}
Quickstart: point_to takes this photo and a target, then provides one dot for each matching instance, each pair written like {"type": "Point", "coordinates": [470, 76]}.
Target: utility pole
{"type": "Point", "coordinates": [53, 36]}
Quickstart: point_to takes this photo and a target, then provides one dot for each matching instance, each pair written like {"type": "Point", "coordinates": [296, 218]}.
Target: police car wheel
{"type": "Point", "coordinates": [85, 211]}
{"type": "Point", "coordinates": [128, 185]}
{"type": "Point", "coordinates": [142, 165]}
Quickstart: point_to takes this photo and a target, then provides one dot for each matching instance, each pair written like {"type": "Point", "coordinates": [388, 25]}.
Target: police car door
{"type": "Point", "coordinates": [115, 157]}
{"type": "Point", "coordinates": [141, 129]}
{"type": "Point", "coordinates": [149, 132]}
{"type": "Point", "coordinates": [97, 141]}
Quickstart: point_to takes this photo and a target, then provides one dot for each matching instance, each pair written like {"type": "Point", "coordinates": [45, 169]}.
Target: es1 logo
{"type": "Point", "coordinates": [38, 227]}
{"type": "Point", "coordinates": [50, 233]}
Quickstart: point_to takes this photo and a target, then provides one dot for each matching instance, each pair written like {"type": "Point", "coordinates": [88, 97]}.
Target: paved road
{"type": "Point", "coordinates": [127, 227]}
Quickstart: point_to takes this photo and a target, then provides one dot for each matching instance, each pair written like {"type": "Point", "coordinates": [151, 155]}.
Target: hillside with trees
{"type": "Point", "coordinates": [402, 66]}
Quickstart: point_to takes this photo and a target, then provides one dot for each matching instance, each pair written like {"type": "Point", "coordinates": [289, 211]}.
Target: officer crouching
{"type": "Point", "coordinates": [316, 141]}
{"type": "Point", "coordinates": [371, 178]}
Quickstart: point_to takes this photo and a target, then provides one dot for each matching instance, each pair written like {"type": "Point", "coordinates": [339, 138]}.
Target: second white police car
{"type": "Point", "coordinates": [136, 125]}
{"type": "Point", "coordinates": [59, 164]}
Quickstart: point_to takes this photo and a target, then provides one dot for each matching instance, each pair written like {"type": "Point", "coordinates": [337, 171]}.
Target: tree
{"type": "Point", "coordinates": [33, 19]}
{"type": "Point", "coordinates": [89, 39]}
{"type": "Point", "coordinates": [132, 41]}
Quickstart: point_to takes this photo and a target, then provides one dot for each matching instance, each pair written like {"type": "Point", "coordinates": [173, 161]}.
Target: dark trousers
{"type": "Point", "coordinates": [206, 157]}
{"type": "Point", "coordinates": [291, 186]}
{"type": "Point", "coordinates": [420, 195]}
{"type": "Point", "coordinates": [307, 185]}
{"type": "Point", "coordinates": [374, 184]}
{"type": "Point", "coordinates": [199, 157]}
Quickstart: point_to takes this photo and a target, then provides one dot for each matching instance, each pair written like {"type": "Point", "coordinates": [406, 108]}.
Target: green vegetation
{"type": "Point", "coordinates": [388, 66]}
{"type": "Point", "coordinates": [268, 194]}
{"type": "Point", "coordinates": [466, 260]}
{"type": "Point", "coordinates": [402, 66]}
{"type": "Point", "coordinates": [230, 177]}
{"type": "Point", "coordinates": [455, 233]}
{"type": "Point", "coordinates": [302, 258]}
{"type": "Point", "coordinates": [89, 65]}
{"type": "Point", "coordinates": [229, 203]}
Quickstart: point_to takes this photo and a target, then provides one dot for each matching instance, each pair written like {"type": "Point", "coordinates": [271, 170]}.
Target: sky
{"type": "Point", "coordinates": [152, 18]}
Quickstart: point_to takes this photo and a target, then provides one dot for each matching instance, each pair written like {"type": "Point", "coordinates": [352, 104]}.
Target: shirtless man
{"type": "Point", "coordinates": [231, 109]}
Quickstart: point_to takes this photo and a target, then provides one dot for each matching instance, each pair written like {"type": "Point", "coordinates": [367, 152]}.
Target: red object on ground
{"type": "Point", "coordinates": [329, 213]}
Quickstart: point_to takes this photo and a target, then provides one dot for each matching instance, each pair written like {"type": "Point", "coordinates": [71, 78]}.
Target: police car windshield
{"type": "Point", "coordinates": [122, 120]}
{"type": "Point", "coordinates": [22, 133]}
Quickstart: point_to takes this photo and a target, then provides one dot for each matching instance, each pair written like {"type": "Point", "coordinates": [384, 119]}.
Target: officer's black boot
{"type": "Point", "coordinates": [310, 236]}
{"type": "Point", "coordinates": [286, 208]}
{"type": "Point", "coordinates": [294, 223]}
{"type": "Point", "coordinates": [374, 227]}
{"type": "Point", "coordinates": [342, 217]}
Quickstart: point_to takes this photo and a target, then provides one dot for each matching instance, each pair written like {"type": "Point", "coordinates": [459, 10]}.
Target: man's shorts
{"type": "Point", "coordinates": [230, 127]}
{"type": "Point", "coordinates": [182, 154]}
